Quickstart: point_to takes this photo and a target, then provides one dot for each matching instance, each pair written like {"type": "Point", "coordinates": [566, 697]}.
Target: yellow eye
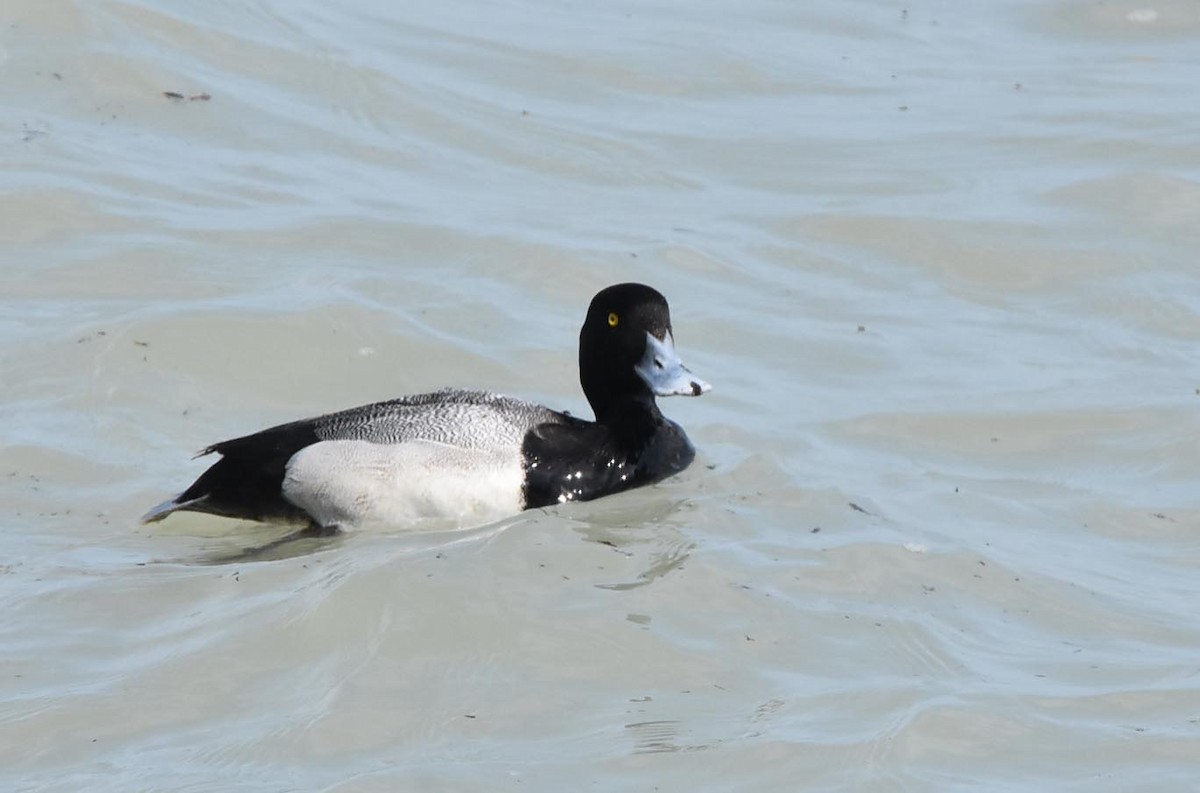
{"type": "Point", "coordinates": [613, 320]}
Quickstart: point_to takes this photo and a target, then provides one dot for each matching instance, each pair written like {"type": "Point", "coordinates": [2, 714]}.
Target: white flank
{"type": "Point", "coordinates": [354, 483]}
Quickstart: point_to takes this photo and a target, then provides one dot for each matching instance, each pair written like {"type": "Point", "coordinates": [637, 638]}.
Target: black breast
{"type": "Point", "coordinates": [576, 460]}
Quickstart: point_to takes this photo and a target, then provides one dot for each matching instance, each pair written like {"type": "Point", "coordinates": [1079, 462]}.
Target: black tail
{"type": "Point", "coordinates": [247, 481]}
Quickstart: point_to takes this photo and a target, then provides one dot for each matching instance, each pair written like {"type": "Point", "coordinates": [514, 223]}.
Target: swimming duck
{"type": "Point", "coordinates": [468, 456]}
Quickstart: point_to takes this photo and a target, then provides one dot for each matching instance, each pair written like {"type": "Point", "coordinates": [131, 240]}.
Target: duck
{"type": "Point", "coordinates": [469, 457]}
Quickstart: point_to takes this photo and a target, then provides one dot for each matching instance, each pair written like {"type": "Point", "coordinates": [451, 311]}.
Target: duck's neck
{"type": "Point", "coordinates": [631, 419]}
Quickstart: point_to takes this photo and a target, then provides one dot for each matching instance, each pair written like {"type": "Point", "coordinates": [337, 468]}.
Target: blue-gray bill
{"type": "Point", "coordinates": [662, 370]}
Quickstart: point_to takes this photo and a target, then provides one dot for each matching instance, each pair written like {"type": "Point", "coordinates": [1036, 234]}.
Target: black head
{"type": "Point", "coordinates": [627, 351]}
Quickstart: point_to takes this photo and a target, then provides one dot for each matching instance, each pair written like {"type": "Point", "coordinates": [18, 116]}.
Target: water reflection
{"type": "Point", "coordinates": [641, 532]}
{"type": "Point", "coordinates": [300, 542]}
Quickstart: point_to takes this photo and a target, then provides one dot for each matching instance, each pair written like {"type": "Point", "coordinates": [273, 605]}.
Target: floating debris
{"type": "Point", "coordinates": [176, 96]}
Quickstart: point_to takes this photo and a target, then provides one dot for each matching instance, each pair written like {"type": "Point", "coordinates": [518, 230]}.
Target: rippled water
{"type": "Point", "coordinates": [939, 263]}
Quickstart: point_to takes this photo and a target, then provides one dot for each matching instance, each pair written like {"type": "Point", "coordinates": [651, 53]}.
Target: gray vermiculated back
{"type": "Point", "coordinates": [469, 419]}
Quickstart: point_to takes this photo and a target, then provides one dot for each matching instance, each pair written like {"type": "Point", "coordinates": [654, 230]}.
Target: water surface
{"type": "Point", "coordinates": [938, 262]}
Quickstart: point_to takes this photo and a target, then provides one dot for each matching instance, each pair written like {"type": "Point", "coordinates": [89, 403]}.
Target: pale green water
{"type": "Point", "coordinates": [939, 264]}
